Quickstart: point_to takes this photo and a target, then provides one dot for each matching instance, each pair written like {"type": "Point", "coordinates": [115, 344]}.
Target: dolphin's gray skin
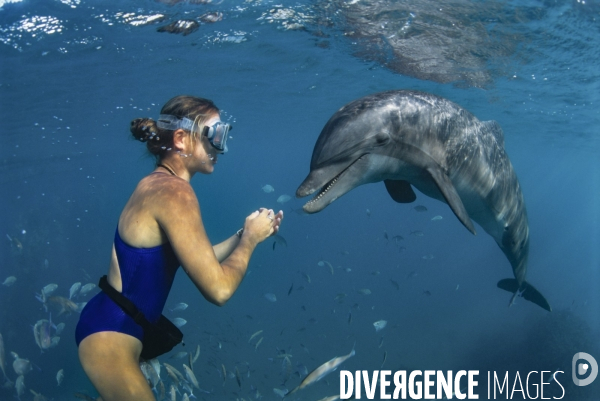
{"type": "Point", "coordinates": [413, 138]}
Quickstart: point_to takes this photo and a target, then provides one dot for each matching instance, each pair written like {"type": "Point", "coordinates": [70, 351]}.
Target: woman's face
{"type": "Point", "coordinates": [204, 154]}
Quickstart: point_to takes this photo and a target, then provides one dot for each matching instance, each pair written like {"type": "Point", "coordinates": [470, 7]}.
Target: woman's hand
{"type": "Point", "coordinates": [262, 224]}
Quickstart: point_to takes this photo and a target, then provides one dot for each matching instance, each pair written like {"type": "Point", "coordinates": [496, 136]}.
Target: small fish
{"type": "Point", "coordinates": [258, 343]}
{"type": "Point", "coordinates": [307, 277]}
{"type": "Point", "coordinates": [323, 370]}
{"type": "Point", "coordinates": [323, 263]}
{"type": "Point", "coordinates": [385, 236]}
{"type": "Point", "coordinates": [74, 290]}
{"type": "Point", "coordinates": [271, 297]}
{"type": "Point", "coordinates": [49, 289]}
{"type": "Point", "coordinates": [254, 335]}
{"type": "Point", "coordinates": [224, 373]}
{"type": "Point", "coordinates": [340, 297]}
{"type": "Point", "coordinates": [395, 284]}
{"type": "Point", "coordinates": [286, 368]}
{"type": "Point", "coordinates": [149, 374]}
{"type": "Point", "coordinates": [420, 208]}
{"type": "Point", "coordinates": [380, 342]}
{"type": "Point", "coordinates": [436, 218]}
{"type": "Point", "coordinates": [426, 292]}
{"type": "Point", "coordinates": [66, 305]}
{"type": "Point", "coordinates": [21, 366]}
{"type": "Point", "coordinates": [283, 198]}
{"type": "Point", "coordinates": [279, 240]}
{"type": "Point", "coordinates": [457, 285]}
{"type": "Point", "coordinates": [9, 281]}
{"type": "Point", "coordinates": [368, 213]}
{"type": "Point", "coordinates": [268, 189]}
{"type": "Point", "coordinates": [291, 289]}
{"type": "Point", "coordinates": [179, 307]}
{"type": "Point", "coordinates": [302, 369]}
{"type": "Point", "coordinates": [179, 355]}
{"type": "Point", "coordinates": [190, 376]}
{"type": "Point", "coordinates": [428, 257]}
{"type": "Point", "coordinates": [364, 291]}
{"type": "Point", "coordinates": [384, 358]}
{"type": "Point", "coordinates": [237, 377]}
{"type": "Point", "coordinates": [37, 396]}
{"type": "Point", "coordinates": [349, 317]}
{"type": "Point", "coordinates": [554, 376]}
{"type": "Point", "coordinates": [411, 274]}
{"type": "Point", "coordinates": [179, 321]}
{"type": "Point", "coordinates": [156, 365]}
{"type": "Point", "coordinates": [518, 293]}
{"type": "Point", "coordinates": [20, 386]}
{"type": "Point", "coordinates": [380, 325]}
{"type": "Point", "coordinates": [15, 243]}
{"type": "Point", "coordinates": [41, 333]}
{"type": "Point", "coordinates": [86, 288]}
{"type": "Point", "coordinates": [281, 392]}
{"type": "Point", "coordinates": [196, 354]}
{"type": "Point", "coordinates": [417, 233]}
{"type": "Point", "coordinates": [171, 373]}
{"type": "Point", "coordinates": [161, 391]}
{"type": "Point", "coordinates": [59, 328]}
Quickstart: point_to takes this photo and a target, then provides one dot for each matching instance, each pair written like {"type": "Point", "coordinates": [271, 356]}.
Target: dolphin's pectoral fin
{"type": "Point", "coordinates": [527, 291]}
{"type": "Point", "coordinates": [452, 198]}
{"type": "Point", "coordinates": [400, 191]}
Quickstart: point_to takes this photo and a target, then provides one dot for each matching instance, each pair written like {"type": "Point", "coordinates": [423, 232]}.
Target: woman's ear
{"type": "Point", "coordinates": [179, 137]}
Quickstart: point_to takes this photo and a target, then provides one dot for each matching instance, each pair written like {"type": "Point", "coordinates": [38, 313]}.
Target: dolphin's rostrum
{"type": "Point", "coordinates": [409, 138]}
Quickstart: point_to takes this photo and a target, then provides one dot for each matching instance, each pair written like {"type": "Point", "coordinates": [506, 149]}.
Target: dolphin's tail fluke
{"type": "Point", "coordinates": [524, 290]}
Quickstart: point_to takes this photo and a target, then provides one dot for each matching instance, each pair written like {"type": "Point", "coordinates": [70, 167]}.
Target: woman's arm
{"type": "Point", "coordinates": [224, 249]}
{"type": "Point", "coordinates": [178, 214]}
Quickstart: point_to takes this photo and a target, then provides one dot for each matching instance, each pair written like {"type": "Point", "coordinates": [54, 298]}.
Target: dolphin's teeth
{"type": "Point", "coordinates": [323, 191]}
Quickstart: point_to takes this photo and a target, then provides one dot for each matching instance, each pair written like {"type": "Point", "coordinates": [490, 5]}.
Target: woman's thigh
{"type": "Point", "coordinates": [111, 361]}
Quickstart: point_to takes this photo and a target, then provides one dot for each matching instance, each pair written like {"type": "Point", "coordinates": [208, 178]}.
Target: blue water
{"type": "Point", "coordinates": [75, 73]}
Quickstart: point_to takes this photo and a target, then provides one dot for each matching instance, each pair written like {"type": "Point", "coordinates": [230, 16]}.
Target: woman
{"type": "Point", "coordinates": [160, 229]}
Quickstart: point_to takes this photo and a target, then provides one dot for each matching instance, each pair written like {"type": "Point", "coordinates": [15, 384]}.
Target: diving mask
{"type": "Point", "coordinates": [216, 134]}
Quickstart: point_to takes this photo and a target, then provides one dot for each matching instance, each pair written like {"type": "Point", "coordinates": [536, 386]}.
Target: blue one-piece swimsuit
{"type": "Point", "coordinates": [147, 276]}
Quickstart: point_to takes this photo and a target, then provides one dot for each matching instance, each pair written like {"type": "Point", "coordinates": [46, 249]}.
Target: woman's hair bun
{"type": "Point", "coordinates": [143, 129]}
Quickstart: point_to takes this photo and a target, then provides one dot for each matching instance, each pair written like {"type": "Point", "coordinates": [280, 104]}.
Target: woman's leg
{"type": "Point", "coordinates": [111, 361]}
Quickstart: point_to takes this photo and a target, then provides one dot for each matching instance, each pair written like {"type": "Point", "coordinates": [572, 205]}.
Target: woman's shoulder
{"type": "Point", "coordinates": [165, 186]}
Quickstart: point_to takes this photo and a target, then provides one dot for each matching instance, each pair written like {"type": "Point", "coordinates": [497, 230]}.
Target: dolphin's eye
{"type": "Point", "coordinates": [381, 138]}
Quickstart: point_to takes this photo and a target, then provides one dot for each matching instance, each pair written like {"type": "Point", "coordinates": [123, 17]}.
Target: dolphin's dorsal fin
{"type": "Point", "coordinates": [452, 198]}
{"type": "Point", "coordinates": [400, 191]}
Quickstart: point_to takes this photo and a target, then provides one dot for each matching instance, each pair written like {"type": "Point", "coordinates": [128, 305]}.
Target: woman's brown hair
{"type": "Point", "coordinates": [158, 140]}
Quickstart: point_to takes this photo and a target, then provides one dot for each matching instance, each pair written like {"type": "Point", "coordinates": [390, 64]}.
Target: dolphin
{"type": "Point", "coordinates": [414, 139]}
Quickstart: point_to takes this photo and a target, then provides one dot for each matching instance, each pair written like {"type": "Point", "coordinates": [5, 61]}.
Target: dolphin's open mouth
{"type": "Point", "coordinates": [323, 191]}
{"type": "Point", "coordinates": [329, 192]}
